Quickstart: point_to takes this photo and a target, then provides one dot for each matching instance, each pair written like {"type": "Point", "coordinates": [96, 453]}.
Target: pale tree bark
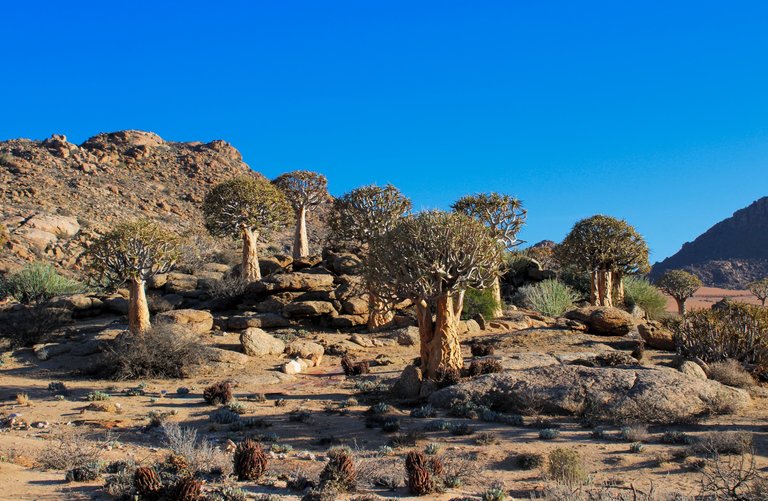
{"type": "Point", "coordinates": [680, 305]}
{"type": "Point", "coordinates": [498, 311]}
{"type": "Point", "coordinates": [439, 339]}
{"type": "Point", "coordinates": [618, 289]}
{"type": "Point", "coordinates": [379, 312]}
{"type": "Point", "coordinates": [251, 271]}
{"type": "Point", "coordinates": [601, 288]}
{"type": "Point", "coordinates": [138, 309]}
{"type": "Point", "coordinates": [300, 240]}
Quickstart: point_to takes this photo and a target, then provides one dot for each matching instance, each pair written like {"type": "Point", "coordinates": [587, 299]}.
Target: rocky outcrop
{"type": "Point", "coordinates": [661, 395]}
{"type": "Point", "coordinates": [197, 321]}
{"type": "Point", "coordinates": [603, 320]}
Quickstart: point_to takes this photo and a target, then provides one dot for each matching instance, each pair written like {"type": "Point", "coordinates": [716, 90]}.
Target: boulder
{"type": "Point", "coordinates": [603, 320]}
{"type": "Point", "coordinates": [656, 336]}
{"type": "Point", "coordinates": [347, 321]}
{"type": "Point", "coordinates": [227, 356]}
{"type": "Point", "coordinates": [272, 264]}
{"type": "Point", "coordinates": [407, 336]}
{"type": "Point", "coordinates": [197, 321]}
{"type": "Point", "coordinates": [116, 304]}
{"type": "Point", "coordinates": [473, 326]}
{"type": "Point", "coordinates": [39, 239]}
{"type": "Point", "coordinates": [179, 283]}
{"type": "Point", "coordinates": [355, 306]}
{"type": "Point", "coordinates": [409, 383]}
{"type": "Point", "coordinates": [292, 367]}
{"type": "Point", "coordinates": [275, 303]}
{"type": "Point", "coordinates": [264, 321]}
{"type": "Point", "coordinates": [77, 302]}
{"type": "Point", "coordinates": [692, 369]}
{"type": "Point", "coordinates": [216, 267]}
{"type": "Point", "coordinates": [47, 351]}
{"type": "Point", "coordinates": [309, 350]}
{"type": "Point", "coordinates": [60, 226]}
{"type": "Point", "coordinates": [257, 343]}
{"type": "Point", "coordinates": [363, 341]}
{"type": "Point", "coordinates": [347, 264]}
{"type": "Point", "coordinates": [159, 304]}
{"type": "Point", "coordinates": [660, 395]}
{"type": "Point", "coordinates": [309, 309]}
{"type": "Point", "coordinates": [157, 281]}
{"type": "Point", "coordinates": [299, 282]}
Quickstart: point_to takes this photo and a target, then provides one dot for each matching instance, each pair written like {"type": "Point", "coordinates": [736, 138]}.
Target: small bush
{"type": "Point", "coordinates": [70, 449]}
{"type": "Point", "coordinates": [727, 442]}
{"type": "Point", "coordinates": [731, 373]}
{"type": "Point", "coordinates": [549, 434]}
{"type": "Point", "coordinates": [565, 466]}
{"type": "Point", "coordinates": [675, 438]}
{"type": "Point", "coordinates": [479, 301]}
{"type": "Point", "coordinates": [162, 352]}
{"type": "Point", "coordinates": [529, 460]}
{"type": "Point", "coordinates": [37, 283]}
{"type": "Point", "coordinates": [638, 291]}
{"type": "Point", "coordinates": [550, 297]}
{"type": "Point", "coordinates": [634, 433]}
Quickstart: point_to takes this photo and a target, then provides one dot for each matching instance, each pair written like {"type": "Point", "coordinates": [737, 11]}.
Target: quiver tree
{"type": "Point", "coordinates": [358, 217]}
{"type": "Point", "coordinates": [304, 190]}
{"type": "Point", "coordinates": [607, 248]}
{"type": "Point", "coordinates": [246, 207]}
{"type": "Point", "coordinates": [432, 258]}
{"type": "Point", "coordinates": [760, 289]}
{"type": "Point", "coordinates": [133, 252]}
{"type": "Point", "coordinates": [503, 215]}
{"type": "Point", "coordinates": [680, 285]}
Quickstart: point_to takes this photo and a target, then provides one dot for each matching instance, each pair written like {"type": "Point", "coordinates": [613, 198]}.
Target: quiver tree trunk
{"type": "Point", "coordinates": [138, 309]}
{"type": "Point", "coordinates": [379, 311]}
{"type": "Point", "coordinates": [300, 241]}
{"type": "Point", "coordinates": [251, 271]}
{"type": "Point", "coordinates": [439, 336]}
{"type": "Point", "coordinates": [617, 292]}
{"type": "Point", "coordinates": [601, 288]}
{"type": "Point", "coordinates": [680, 305]}
{"type": "Point", "coordinates": [499, 307]}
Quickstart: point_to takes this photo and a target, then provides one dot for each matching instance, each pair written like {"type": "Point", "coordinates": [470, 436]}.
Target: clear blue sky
{"type": "Point", "coordinates": [653, 111]}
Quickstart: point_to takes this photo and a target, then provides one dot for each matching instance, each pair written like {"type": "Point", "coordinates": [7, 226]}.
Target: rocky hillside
{"type": "Point", "coordinates": [55, 195]}
{"type": "Point", "coordinates": [731, 254]}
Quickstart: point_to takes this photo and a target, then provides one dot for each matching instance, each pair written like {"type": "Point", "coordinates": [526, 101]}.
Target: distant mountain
{"type": "Point", "coordinates": [730, 254]}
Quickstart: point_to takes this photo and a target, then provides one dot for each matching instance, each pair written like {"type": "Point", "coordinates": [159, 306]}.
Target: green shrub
{"type": "Point", "coordinates": [638, 291]}
{"type": "Point", "coordinates": [566, 467]}
{"type": "Point", "coordinates": [37, 283]}
{"type": "Point", "coordinates": [479, 301]}
{"type": "Point", "coordinates": [550, 297]}
{"type": "Point", "coordinates": [730, 331]}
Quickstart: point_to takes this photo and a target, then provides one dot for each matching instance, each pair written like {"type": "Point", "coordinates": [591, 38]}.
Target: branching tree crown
{"type": "Point", "coordinates": [133, 251]}
{"type": "Point", "coordinates": [366, 213]}
{"type": "Point", "coordinates": [245, 202]}
{"type": "Point", "coordinates": [604, 243]}
{"type": "Point", "coordinates": [303, 189]}
{"type": "Point", "coordinates": [760, 289]}
{"type": "Point", "coordinates": [503, 214]}
{"type": "Point", "coordinates": [434, 254]}
{"type": "Point", "coordinates": [679, 284]}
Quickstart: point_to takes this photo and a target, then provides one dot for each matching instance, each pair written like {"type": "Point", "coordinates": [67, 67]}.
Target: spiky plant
{"type": "Point", "coordinates": [352, 368]}
{"type": "Point", "coordinates": [419, 481]}
{"type": "Point", "coordinates": [435, 466]}
{"type": "Point", "coordinates": [339, 472]}
{"type": "Point", "coordinates": [250, 462]}
{"type": "Point", "coordinates": [413, 459]}
{"type": "Point", "coordinates": [147, 482]}
{"type": "Point", "coordinates": [218, 393]}
{"type": "Point", "coordinates": [187, 489]}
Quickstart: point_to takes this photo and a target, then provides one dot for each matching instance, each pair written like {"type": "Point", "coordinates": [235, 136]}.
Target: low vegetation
{"type": "Point", "coordinates": [550, 297]}
{"type": "Point", "coordinates": [37, 283]}
{"type": "Point", "coordinates": [638, 291]}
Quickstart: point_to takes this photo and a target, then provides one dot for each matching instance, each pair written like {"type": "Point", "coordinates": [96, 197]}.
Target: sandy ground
{"type": "Point", "coordinates": [705, 297]}
{"type": "Point", "coordinates": [322, 392]}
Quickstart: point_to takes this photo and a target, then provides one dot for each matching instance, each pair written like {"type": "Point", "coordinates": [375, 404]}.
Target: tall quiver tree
{"type": "Point", "coordinates": [133, 252]}
{"type": "Point", "coordinates": [304, 190]}
{"type": "Point", "coordinates": [607, 248]}
{"type": "Point", "coordinates": [679, 284]}
{"type": "Point", "coordinates": [246, 207]}
{"type": "Point", "coordinates": [432, 258]}
{"type": "Point", "coordinates": [357, 218]}
{"type": "Point", "coordinates": [504, 216]}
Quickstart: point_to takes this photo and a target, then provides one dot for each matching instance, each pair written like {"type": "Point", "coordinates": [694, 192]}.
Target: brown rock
{"type": "Point", "coordinates": [656, 336]}
{"type": "Point", "coordinates": [197, 321]}
{"type": "Point", "coordinates": [604, 320]}
{"type": "Point", "coordinates": [257, 343]}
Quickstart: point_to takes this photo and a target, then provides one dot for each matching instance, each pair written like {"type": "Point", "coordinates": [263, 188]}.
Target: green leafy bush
{"type": "Point", "coordinates": [479, 301]}
{"type": "Point", "coordinates": [638, 291]}
{"type": "Point", "coordinates": [550, 297]}
{"type": "Point", "coordinates": [732, 331]}
{"type": "Point", "coordinates": [565, 466]}
{"type": "Point", "coordinates": [37, 283]}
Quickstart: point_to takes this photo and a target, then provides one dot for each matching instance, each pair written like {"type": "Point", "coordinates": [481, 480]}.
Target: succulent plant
{"type": "Point", "coordinates": [147, 482]}
{"type": "Point", "coordinates": [419, 480]}
{"type": "Point", "coordinates": [218, 393]}
{"type": "Point", "coordinates": [340, 471]}
{"type": "Point", "coordinates": [187, 489]}
{"type": "Point", "coordinates": [249, 460]}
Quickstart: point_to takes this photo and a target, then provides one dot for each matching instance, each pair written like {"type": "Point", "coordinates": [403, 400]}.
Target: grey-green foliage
{"type": "Point", "coordinates": [479, 301]}
{"type": "Point", "coordinates": [37, 283]}
{"type": "Point", "coordinates": [550, 297]}
{"type": "Point", "coordinates": [638, 291]}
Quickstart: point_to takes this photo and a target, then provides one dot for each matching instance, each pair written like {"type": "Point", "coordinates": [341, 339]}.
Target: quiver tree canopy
{"type": "Point", "coordinates": [366, 213]}
{"type": "Point", "coordinates": [359, 216]}
{"type": "Point", "coordinates": [760, 289]}
{"type": "Point", "coordinates": [246, 207]}
{"type": "Point", "coordinates": [304, 190]}
{"type": "Point", "coordinates": [503, 215]}
{"type": "Point", "coordinates": [133, 252]}
{"type": "Point", "coordinates": [680, 285]}
{"type": "Point", "coordinates": [608, 249]}
{"type": "Point", "coordinates": [432, 258]}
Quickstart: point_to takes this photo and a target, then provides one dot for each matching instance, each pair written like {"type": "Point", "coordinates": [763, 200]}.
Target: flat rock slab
{"type": "Point", "coordinates": [637, 393]}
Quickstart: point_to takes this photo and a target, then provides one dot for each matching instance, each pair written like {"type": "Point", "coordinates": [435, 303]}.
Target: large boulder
{"type": "Point", "coordinates": [309, 309]}
{"type": "Point", "coordinates": [346, 321]}
{"type": "Point", "coordinates": [308, 350]}
{"type": "Point", "coordinates": [197, 321]}
{"type": "Point", "coordinates": [298, 282]}
{"type": "Point", "coordinates": [347, 264]}
{"type": "Point", "coordinates": [272, 264]}
{"type": "Point", "coordinates": [656, 336]}
{"type": "Point", "coordinates": [355, 306]}
{"type": "Point", "coordinates": [263, 320]}
{"type": "Point", "coordinates": [257, 343]}
{"type": "Point", "coordinates": [409, 383]}
{"type": "Point", "coordinates": [407, 336]}
{"type": "Point", "coordinates": [603, 320]}
{"type": "Point", "coordinates": [661, 395]}
{"type": "Point", "coordinates": [60, 226]}
{"type": "Point", "coordinates": [179, 283]}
